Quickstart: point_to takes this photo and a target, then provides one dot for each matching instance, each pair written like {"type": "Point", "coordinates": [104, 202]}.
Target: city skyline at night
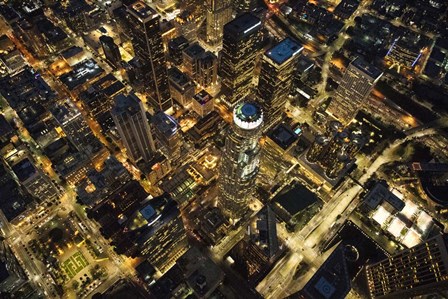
{"type": "Point", "coordinates": [241, 149]}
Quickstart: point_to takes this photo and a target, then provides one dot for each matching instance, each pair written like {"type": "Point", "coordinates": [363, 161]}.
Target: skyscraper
{"type": "Point", "coordinates": [422, 269]}
{"type": "Point", "coordinates": [158, 233]}
{"type": "Point", "coordinates": [132, 125]}
{"type": "Point", "coordinates": [239, 51]}
{"type": "Point", "coordinates": [356, 85]}
{"type": "Point", "coordinates": [276, 77]}
{"type": "Point", "coordinates": [144, 28]}
{"type": "Point", "coordinates": [239, 164]}
{"type": "Point", "coordinates": [219, 13]}
{"type": "Point", "coordinates": [111, 50]}
{"type": "Point", "coordinates": [167, 132]}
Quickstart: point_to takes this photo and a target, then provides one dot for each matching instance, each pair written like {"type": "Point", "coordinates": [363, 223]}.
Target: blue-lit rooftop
{"type": "Point", "coordinates": [284, 50]}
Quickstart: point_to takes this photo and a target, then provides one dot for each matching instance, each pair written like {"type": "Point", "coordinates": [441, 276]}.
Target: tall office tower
{"type": "Point", "coordinates": [276, 76]}
{"type": "Point", "coordinates": [356, 85]}
{"type": "Point", "coordinates": [190, 58]}
{"type": "Point", "coordinates": [218, 13]}
{"type": "Point", "coordinates": [167, 132]}
{"type": "Point", "coordinates": [207, 70]}
{"type": "Point", "coordinates": [132, 125]}
{"type": "Point", "coordinates": [244, 5]}
{"type": "Point", "coordinates": [239, 51]}
{"type": "Point", "coordinates": [420, 270]}
{"type": "Point", "coordinates": [35, 181]}
{"type": "Point", "coordinates": [157, 232]}
{"type": "Point", "coordinates": [176, 46]}
{"type": "Point", "coordinates": [144, 28]}
{"type": "Point", "coordinates": [182, 88]}
{"type": "Point", "coordinates": [111, 50]}
{"type": "Point", "coordinates": [239, 164]}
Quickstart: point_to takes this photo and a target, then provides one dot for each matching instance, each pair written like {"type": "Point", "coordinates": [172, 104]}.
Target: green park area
{"type": "Point", "coordinates": [74, 264]}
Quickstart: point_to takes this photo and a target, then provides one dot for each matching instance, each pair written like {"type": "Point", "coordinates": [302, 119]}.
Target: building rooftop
{"type": "Point", "coordinates": [179, 42]}
{"type": "Point", "coordinates": [24, 169]}
{"type": "Point", "coordinates": [284, 50]}
{"type": "Point", "coordinates": [202, 97]}
{"type": "Point", "coordinates": [248, 116]}
{"type": "Point", "coordinates": [142, 11]}
{"type": "Point", "coordinates": [296, 199]}
{"type": "Point", "coordinates": [195, 50]}
{"type": "Point", "coordinates": [126, 104]}
{"type": "Point", "coordinates": [242, 26]}
{"type": "Point", "coordinates": [72, 51]}
{"type": "Point", "coordinates": [166, 124]}
{"type": "Point", "coordinates": [178, 77]}
{"type": "Point", "coordinates": [81, 73]}
{"type": "Point", "coordinates": [283, 136]}
{"type": "Point", "coordinates": [367, 68]}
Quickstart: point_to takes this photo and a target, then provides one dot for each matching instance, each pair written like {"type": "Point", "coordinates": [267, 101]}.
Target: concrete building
{"type": "Point", "coordinates": [420, 270]}
{"type": "Point", "coordinates": [202, 103]}
{"type": "Point", "coordinates": [276, 77]}
{"type": "Point", "coordinates": [35, 181]}
{"type": "Point", "coordinates": [218, 13]}
{"type": "Point", "coordinates": [182, 88]}
{"type": "Point", "coordinates": [167, 133]}
{"type": "Point", "coordinates": [133, 127]}
{"type": "Point", "coordinates": [239, 53]}
{"type": "Point", "coordinates": [356, 85]}
{"type": "Point", "coordinates": [144, 28]}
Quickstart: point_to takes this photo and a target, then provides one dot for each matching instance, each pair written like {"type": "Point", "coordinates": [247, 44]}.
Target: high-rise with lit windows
{"type": "Point", "coordinates": [239, 52]}
{"type": "Point", "coordinates": [420, 270]}
{"type": "Point", "coordinates": [276, 76]}
{"type": "Point", "coordinates": [218, 13]}
{"type": "Point", "coordinates": [356, 85]}
{"type": "Point", "coordinates": [144, 28]}
{"type": "Point", "coordinates": [133, 127]}
{"type": "Point", "coordinates": [239, 164]}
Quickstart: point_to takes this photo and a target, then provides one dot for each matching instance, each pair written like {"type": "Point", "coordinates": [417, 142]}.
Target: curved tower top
{"type": "Point", "coordinates": [248, 115]}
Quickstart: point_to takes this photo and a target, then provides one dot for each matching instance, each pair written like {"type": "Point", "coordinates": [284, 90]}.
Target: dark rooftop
{"type": "Point", "coordinates": [24, 170]}
{"type": "Point", "coordinates": [194, 50]}
{"type": "Point", "coordinates": [284, 50]}
{"type": "Point", "coordinates": [283, 136]}
{"type": "Point", "coordinates": [296, 199]}
{"type": "Point", "coordinates": [366, 67]}
{"type": "Point", "coordinates": [242, 26]}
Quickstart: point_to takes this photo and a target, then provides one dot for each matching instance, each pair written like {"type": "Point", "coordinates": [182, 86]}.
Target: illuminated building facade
{"type": "Point", "coordinates": [181, 86]}
{"type": "Point", "coordinates": [143, 24]}
{"type": "Point", "coordinates": [419, 270]}
{"type": "Point", "coordinates": [163, 239]}
{"type": "Point", "coordinates": [218, 13]}
{"type": "Point", "coordinates": [239, 52]}
{"type": "Point", "coordinates": [356, 85]}
{"type": "Point", "coordinates": [276, 77]}
{"type": "Point", "coordinates": [133, 127]}
{"type": "Point", "coordinates": [167, 133]}
{"type": "Point", "coordinates": [239, 164]}
{"type": "Point", "coordinates": [202, 103]}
